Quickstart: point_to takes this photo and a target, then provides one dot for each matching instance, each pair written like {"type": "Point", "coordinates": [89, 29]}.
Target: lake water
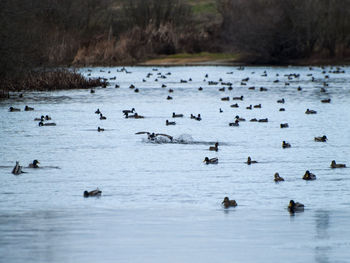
{"type": "Point", "coordinates": [160, 202]}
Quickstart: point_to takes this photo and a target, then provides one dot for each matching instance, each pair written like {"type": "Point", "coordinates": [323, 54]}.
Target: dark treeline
{"type": "Point", "coordinates": [38, 34]}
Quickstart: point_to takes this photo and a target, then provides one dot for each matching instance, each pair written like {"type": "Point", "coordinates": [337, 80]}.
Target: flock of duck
{"type": "Point", "coordinates": [152, 136]}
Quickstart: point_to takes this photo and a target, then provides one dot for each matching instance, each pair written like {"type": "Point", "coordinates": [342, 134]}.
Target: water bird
{"type": "Point", "coordinates": [17, 169]}
{"type": "Point", "coordinates": [102, 117]}
{"type": "Point", "coordinates": [263, 120]}
{"type": "Point", "coordinates": [326, 101]}
{"type": "Point", "coordinates": [234, 105]}
{"type": "Point", "coordinates": [229, 203]}
{"type": "Point", "coordinates": [198, 118]}
{"type": "Point", "coordinates": [116, 86]}
{"type": "Point", "coordinates": [96, 192]}
{"type": "Point", "coordinates": [92, 91]}
{"type": "Point", "coordinates": [284, 125]}
{"type": "Point", "coordinates": [135, 116]}
{"type": "Point", "coordinates": [251, 88]}
{"type": "Point", "coordinates": [308, 111]}
{"type": "Point", "coordinates": [124, 111]}
{"type": "Point", "coordinates": [214, 148]}
{"type": "Point", "coordinates": [27, 108]}
{"type": "Point", "coordinates": [211, 161]}
{"type": "Point", "coordinates": [177, 115]}
{"type": "Point", "coordinates": [220, 110]}
{"type": "Point", "coordinates": [163, 86]}
{"type": "Point", "coordinates": [309, 176]}
{"type": "Point", "coordinates": [257, 106]}
{"type": "Point", "coordinates": [47, 117]}
{"type": "Point", "coordinates": [234, 124]}
{"type": "Point", "coordinates": [239, 118]}
{"type": "Point", "coordinates": [222, 89]}
{"type": "Point", "coordinates": [263, 89]}
{"type": "Point", "coordinates": [136, 90]}
{"type": "Point", "coordinates": [99, 129]}
{"type": "Point", "coordinates": [12, 109]}
{"type": "Point", "coordinates": [282, 109]}
{"type": "Point", "coordinates": [295, 206]}
{"type": "Point", "coordinates": [238, 98]}
{"type": "Point", "coordinates": [249, 107]}
{"type": "Point", "coordinates": [170, 123]}
{"type": "Point", "coordinates": [281, 101]}
{"type": "Point", "coordinates": [278, 178]}
{"type": "Point", "coordinates": [225, 98]}
{"type": "Point", "coordinates": [336, 165]}
{"type": "Point", "coordinates": [200, 88]}
{"type": "Point", "coordinates": [250, 161]}
{"type": "Point", "coordinates": [34, 164]}
{"type": "Point", "coordinates": [253, 120]}
{"type": "Point", "coordinates": [42, 118]}
{"type": "Point", "coordinates": [321, 139]}
{"type": "Point", "coordinates": [169, 98]}
{"type": "Point", "coordinates": [132, 86]}
{"type": "Point", "coordinates": [285, 145]}
{"type": "Point", "coordinates": [171, 90]}
{"type": "Point", "coordinates": [47, 124]}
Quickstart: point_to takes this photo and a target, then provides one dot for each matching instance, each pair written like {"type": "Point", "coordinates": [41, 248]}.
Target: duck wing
{"type": "Point", "coordinates": [143, 132]}
{"type": "Point", "coordinates": [166, 135]}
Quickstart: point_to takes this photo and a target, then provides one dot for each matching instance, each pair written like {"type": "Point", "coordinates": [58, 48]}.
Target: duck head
{"type": "Point", "coordinates": [35, 162]}
{"type": "Point", "coordinates": [206, 160]}
{"type": "Point", "coordinates": [324, 137]}
{"type": "Point", "coordinates": [86, 194]}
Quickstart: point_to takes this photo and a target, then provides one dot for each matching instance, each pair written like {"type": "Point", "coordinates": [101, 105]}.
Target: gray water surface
{"type": "Point", "coordinates": [160, 202]}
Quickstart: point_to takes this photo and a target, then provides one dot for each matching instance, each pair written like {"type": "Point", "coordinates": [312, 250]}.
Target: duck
{"type": "Point", "coordinates": [131, 86]}
{"type": "Point", "coordinates": [27, 108]}
{"type": "Point", "coordinates": [284, 125]}
{"type": "Point", "coordinates": [34, 164]}
{"type": "Point", "coordinates": [47, 124]}
{"type": "Point", "coordinates": [211, 161]}
{"type": "Point", "coordinates": [251, 88]}
{"type": "Point", "coordinates": [92, 91]}
{"type": "Point", "coordinates": [100, 129]}
{"type": "Point", "coordinates": [98, 111]}
{"type": "Point", "coordinates": [249, 107]}
{"type": "Point", "coordinates": [285, 145]}
{"type": "Point", "coordinates": [253, 120]}
{"type": "Point", "coordinates": [278, 178]}
{"type": "Point", "coordinates": [222, 89]}
{"type": "Point", "coordinates": [125, 112]}
{"type": "Point", "coordinates": [42, 118]}
{"type": "Point", "coordinates": [102, 117]}
{"type": "Point", "coordinates": [249, 161]}
{"type": "Point", "coordinates": [17, 169]}
{"type": "Point", "coordinates": [321, 139]}
{"type": "Point", "coordinates": [282, 109]}
{"type": "Point", "coordinates": [220, 110]}
{"type": "Point", "coordinates": [12, 109]}
{"type": "Point", "coordinates": [47, 117]}
{"type": "Point", "coordinates": [96, 192]}
{"type": "Point", "coordinates": [281, 101]}
{"type": "Point", "coordinates": [257, 106]}
{"type": "Point", "coordinates": [308, 111]}
{"type": "Point", "coordinates": [263, 89]}
{"type": "Point", "coordinates": [234, 105]}
{"type": "Point", "coordinates": [309, 176]}
{"type": "Point", "coordinates": [200, 88]}
{"type": "Point", "coordinates": [264, 120]}
{"type": "Point", "coordinates": [229, 203]}
{"type": "Point", "coordinates": [239, 118]}
{"type": "Point", "coordinates": [198, 118]}
{"type": "Point", "coordinates": [238, 98]}
{"type": "Point", "coordinates": [225, 98]}
{"type": "Point", "coordinates": [214, 148]}
{"type": "Point", "coordinates": [136, 90]}
{"type": "Point", "coordinates": [169, 98]}
{"type": "Point", "coordinates": [163, 86]}
{"type": "Point", "coordinates": [171, 90]}
{"type": "Point", "coordinates": [295, 206]}
{"type": "Point", "coordinates": [234, 124]}
{"type": "Point", "coordinates": [177, 115]}
{"type": "Point", "coordinates": [336, 165]}
{"type": "Point", "coordinates": [326, 101]}
{"type": "Point", "coordinates": [170, 123]}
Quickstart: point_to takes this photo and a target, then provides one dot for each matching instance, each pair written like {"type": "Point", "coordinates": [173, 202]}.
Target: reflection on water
{"type": "Point", "coordinates": [159, 201]}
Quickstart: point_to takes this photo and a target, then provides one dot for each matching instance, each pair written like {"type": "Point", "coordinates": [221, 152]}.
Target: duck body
{"type": "Point", "coordinates": [308, 111]}
{"type": "Point", "coordinates": [229, 203]}
{"type": "Point", "coordinates": [34, 164]}
{"type": "Point", "coordinates": [326, 101]}
{"type": "Point", "coordinates": [96, 192]}
{"type": "Point", "coordinates": [309, 176]}
{"type": "Point", "coordinates": [234, 105]}
{"type": "Point", "coordinates": [337, 165]}
{"type": "Point", "coordinates": [27, 108]}
{"type": "Point", "coordinates": [102, 117]}
{"type": "Point", "coordinates": [278, 178]}
{"type": "Point", "coordinates": [100, 129]}
{"type": "Point", "coordinates": [211, 161]}
{"type": "Point", "coordinates": [264, 120]}
{"type": "Point", "coordinates": [177, 115]}
{"type": "Point", "coordinates": [257, 106]}
{"type": "Point", "coordinates": [284, 125]}
{"type": "Point", "coordinates": [125, 112]}
{"type": "Point", "coordinates": [285, 145]}
{"type": "Point", "coordinates": [295, 206]}
{"type": "Point", "coordinates": [238, 98]}
{"type": "Point", "coordinates": [12, 109]}
{"type": "Point", "coordinates": [281, 101]}
{"type": "Point", "coordinates": [17, 169]}
{"type": "Point", "coordinates": [234, 124]}
{"type": "Point", "coordinates": [47, 124]}
{"type": "Point", "coordinates": [249, 161]}
{"type": "Point", "coordinates": [214, 148]}
{"type": "Point", "coordinates": [321, 139]}
{"type": "Point", "coordinates": [170, 123]}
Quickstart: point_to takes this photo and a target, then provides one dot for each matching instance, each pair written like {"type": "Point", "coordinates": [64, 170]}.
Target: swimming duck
{"type": "Point", "coordinates": [253, 120]}
{"type": "Point", "coordinates": [102, 117]}
{"type": "Point", "coordinates": [263, 89]}
{"type": "Point", "coordinates": [17, 169]}
{"type": "Point", "coordinates": [285, 145]}
{"type": "Point", "coordinates": [200, 88]}
{"type": "Point", "coordinates": [336, 165]}
{"type": "Point", "coordinates": [234, 124]}
{"type": "Point", "coordinates": [170, 123]}
{"type": "Point", "coordinates": [96, 192]}
{"type": "Point", "coordinates": [135, 116]}
{"type": "Point", "coordinates": [177, 115]}
{"type": "Point", "coordinates": [169, 98]}
{"type": "Point", "coordinates": [295, 207]}
{"type": "Point", "coordinates": [249, 107]}
{"type": "Point", "coordinates": [163, 86]}
{"type": "Point", "coordinates": [237, 98]}
{"type": "Point", "coordinates": [125, 112]}
{"type": "Point", "coordinates": [42, 118]}
{"type": "Point", "coordinates": [131, 86]}
{"type": "Point", "coordinates": [98, 111]}
{"type": "Point", "coordinates": [117, 86]}
{"type": "Point", "coordinates": [326, 101]}
{"type": "Point", "coordinates": [239, 118]}
{"type": "Point", "coordinates": [299, 88]}
{"type": "Point", "coordinates": [282, 109]}
{"type": "Point", "coordinates": [220, 110]}
{"type": "Point", "coordinates": [251, 88]}
{"type": "Point", "coordinates": [263, 120]}
{"type": "Point", "coordinates": [278, 178]}
{"type": "Point", "coordinates": [12, 109]}
{"type": "Point", "coordinates": [229, 203]}
{"type": "Point", "coordinates": [257, 106]}
{"type": "Point", "coordinates": [136, 90]}
{"type": "Point", "coordinates": [100, 129]}
{"type": "Point", "coordinates": [249, 161]}
{"type": "Point", "coordinates": [321, 139]}
{"type": "Point", "coordinates": [281, 101]}
{"type": "Point", "coordinates": [47, 117]}
{"type": "Point", "coordinates": [225, 98]}
{"type": "Point", "coordinates": [92, 91]}
{"type": "Point", "coordinates": [234, 106]}
{"type": "Point", "coordinates": [211, 161]}
{"type": "Point", "coordinates": [171, 90]}
{"type": "Point", "coordinates": [34, 164]}
{"type": "Point", "coordinates": [214, 148]}
{"type": "Point", "coordinates": [222, 89]}
{"type": "Point", "coordinates": [309, 176]}
{"type": "Point", "coordinates": [47, 124]}
{"type": "Point", "coordinates": [284, 125]}
{"type": "Point", "coordinates": [198, 118]}
{"type": "Point", "coordinates": [310, 111]}
{"type": "Point", "coordinates": [27, 108]}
